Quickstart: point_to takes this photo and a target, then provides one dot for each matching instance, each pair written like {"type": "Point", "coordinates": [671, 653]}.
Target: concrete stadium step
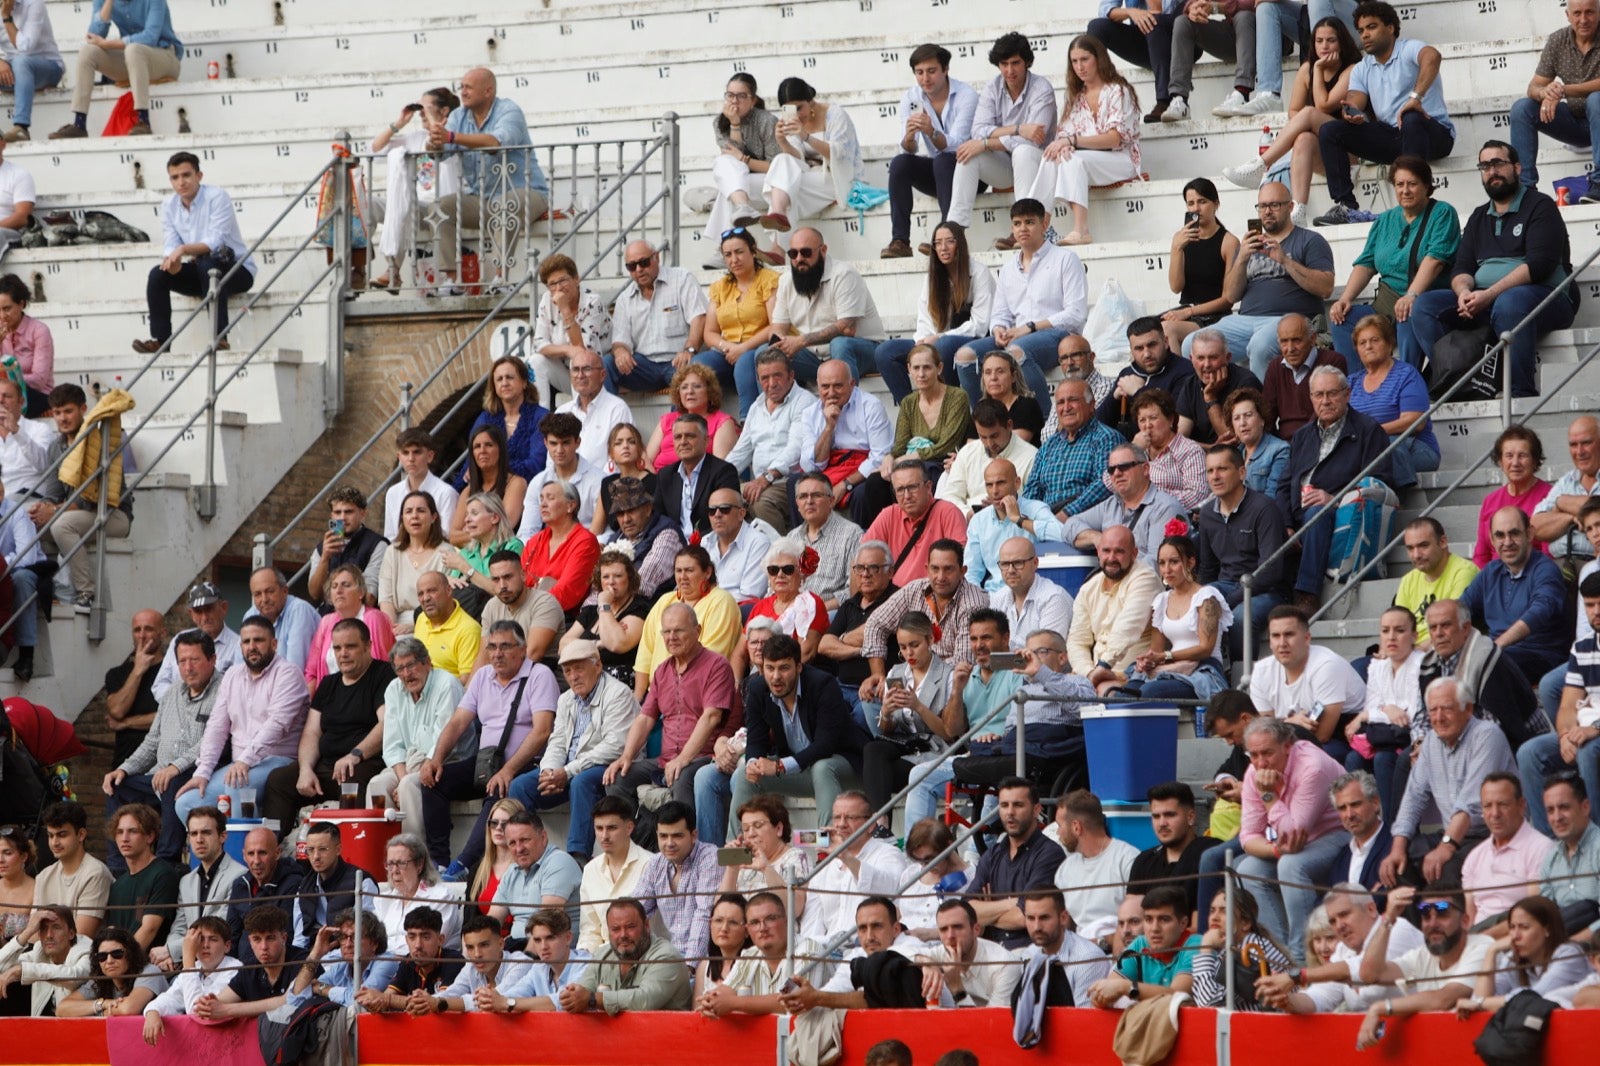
{"type": "Point", "coordinates": [111, 325]}
{"type": "Point", "coordinates": [259, 386]}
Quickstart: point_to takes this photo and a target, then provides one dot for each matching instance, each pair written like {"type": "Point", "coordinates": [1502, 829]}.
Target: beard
{"type": "Point", "coordinates": [1499, 187]}
{"type": "Point", "coordinates": [807, 278]}
{"type": "Point", "coordinates": [1445, 944]}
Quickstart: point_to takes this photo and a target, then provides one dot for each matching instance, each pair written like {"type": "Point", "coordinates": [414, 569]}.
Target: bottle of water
{"type": "Point", "coordinates": [1265, 142]}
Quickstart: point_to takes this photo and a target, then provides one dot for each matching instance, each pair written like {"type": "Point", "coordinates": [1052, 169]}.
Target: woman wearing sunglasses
{"type": "Point", "coordinates": [121, 981]}
{"type": "Point", "coordinates": [800, 614]}
{"type": "Point", "coordinates": [496, 855]}
{"type": "Point", "coordinates": [740, 313]}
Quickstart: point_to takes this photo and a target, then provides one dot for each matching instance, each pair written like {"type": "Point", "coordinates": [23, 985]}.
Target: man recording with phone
{"type": "Point", "coordinates": [348, 540]}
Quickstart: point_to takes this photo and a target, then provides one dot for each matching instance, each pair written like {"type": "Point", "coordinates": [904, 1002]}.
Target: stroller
{"type": "Point", "coordinates": [34, 745]}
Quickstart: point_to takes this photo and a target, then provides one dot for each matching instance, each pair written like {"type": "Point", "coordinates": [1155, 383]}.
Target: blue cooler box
{"type": "Point", "coordinates": [1067, 566]}
{"type": "Point", "coordinates": [1130, 823]}
{"type": "Point", "coordinates": [238, 829]}
{"type": "Point", "coordinates": [1130, 748]}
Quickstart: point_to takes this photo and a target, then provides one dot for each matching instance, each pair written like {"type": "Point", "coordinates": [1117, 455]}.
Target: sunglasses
{"type": "Point", "coordinates": [802, 253]}
{"type": "Point", "coordinates": [1121, 468]}
{"type": "Point", "coordinates": [722, 508]}
{"type": "Point", "coordinates": [499, 823]}
{"type": "Point", "coordinates": [638, 264]}
{"type": "Point", "coordinates": [1437, 907]}
{"type": "Point", "coordinates": [786, 569]}
{"type": "Point", "coordinates": [117, 954]}
{"type": "Point", "coordinates": [734, 232]}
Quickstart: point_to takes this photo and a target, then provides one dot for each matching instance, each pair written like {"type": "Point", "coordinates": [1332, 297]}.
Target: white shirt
{"type": "Point", "coordinates": [1326, 679]}
{"type": "Point", "coordinates": [16, 187]}
{"type": "Point", "coordinates": [742, 568]}
{"type": "Point", "coordinates": [660, 325]}
{"type": "Point", "coordinates": [1054, 287]}
{"type": "Point", "coordinates": [605, 412]}
{"type": "Point", "coordinates": [34, 36]}
{"type": "Point", "coordinates": [1046, 606]}
{"type": "Point", "coordinates": [1082, 961]}
{"type": "Point", "coordinates": [444, 498]}
{"type": "Point", "coordinates": [904, 944]}
{"type": "Point", "coordinates": [1332, 995]}
{"type": "Point", "coordinates": [992, 977]}
{"type": "Point", "coordinates": [862, 426]}
{"type": "Point", "coordinates": [1423, 972]}
{"type": "Point", "coordinates": [228, 656]}
{"type": "Point", "coordinates": [599, 885]}
{"type": "Point", "coordinates": [981, 292]}
{"type": "Point", "coordinates": [842, 294]}
{"type": "Point", "coordinates": [392, 910]}
{"type": "Point", "coordinates": [831, 909]}
{"type": "Point", "coordinates": [963, 484]}
{"type": "Point", "coordinates": [25, 456]}
{"type": "Point", "coordinates": [1358, 856]}
{"type": "Point", "coordinates": [189, 986]}
{"type": "Point", "coordinates": [208, 219]}
{"type": "Point", "coordinates": [586, 479]}
{"type": "Point", "coordinates": [766, 442]}
{"type": "Point", "coordinates": [1109, 870]}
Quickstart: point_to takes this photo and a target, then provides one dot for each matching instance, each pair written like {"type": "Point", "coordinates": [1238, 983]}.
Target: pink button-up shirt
{"type": "Point", "coordinates": [263, 713]}
{"type": "Point", "coordinates": [1508, 872]}
{"type": "Point", "coordinates": [35, 350]}
{"type": "Point", "coordinates": [1302, 802]}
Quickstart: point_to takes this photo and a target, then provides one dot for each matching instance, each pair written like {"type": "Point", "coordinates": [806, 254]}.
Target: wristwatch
{"type": "Point", "coordinates": [1413, 94]}
{"type": "Point", "coordinates": [511, 1005]}
{"type": "Point", "coordinates": [1445, 839]}
{"type": "Point", "coordinates": [356, 751]}
{"type": "Point", "coordinates": [772, 477]}
{"type": "Point", "coordinates": [1133, 990]}
{"type": "Point", "coordinates": [1297, 975]}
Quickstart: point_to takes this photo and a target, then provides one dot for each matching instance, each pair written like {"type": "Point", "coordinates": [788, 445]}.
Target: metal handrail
{"type": "Point", "coordinates": [1501, 347]}
{"type": "Point", "coordinates": [666, 197]}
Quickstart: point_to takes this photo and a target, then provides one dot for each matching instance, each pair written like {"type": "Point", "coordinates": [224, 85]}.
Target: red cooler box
{"type": "Point", "coordinates": [364, 835]}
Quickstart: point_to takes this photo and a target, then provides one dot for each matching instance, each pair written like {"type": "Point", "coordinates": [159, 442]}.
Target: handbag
{"type": "Point", "coordinates": [1386, 736]}
{"type": "Point", "coordinates": [1516, 1032]}
{"type": "Point", "coordinates": [1384, 300]}
{"type": "Point", "coordinates": [490, 760]}
{"type": "Point", "coordinates": [1454, 355]}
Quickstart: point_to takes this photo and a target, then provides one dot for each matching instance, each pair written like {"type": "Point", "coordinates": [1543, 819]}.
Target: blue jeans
{"type": "Point", "coordinates": [853, 350]}
{"type": "Point", "coordinates": [891, 360]}
{"type": "Point", "coordinates": [24, 584]}
{"type": "Point", "coordinates": [1212, 861]}
{"type": "Point", "coordinates": [1540, 757]}
{"type": "Point", "coordinates": [218, 786]}
{"type": "Point", "coordinates": [1261, 605]}
{"type": "Point", "coordinates": [1411, 458]}
{"type": "Point", "coordinates": [1285, 908]}
{"type": "Point", "coordinates": [1038, 359]}
{"type": "Point", "coordinates": [1434, 315]}
{"type": "Point", "coordinates": [1278, 24]}
{"type": "Point", "coordinates": [926, 799]}
{"type": "Point", "coordinates": [580, 792]}
{"type": "Point", "coordinates": [649, 373]}
{"type": "Point", "coordinates": [1253, 337]}
{"type": "Point", "coordinates": [1550, 686]}
{"type": "Point", "coordinates": [1405, 349]}
{"type": "Point", "coordinates": [713, 790]}
{"type": "Point", "coordinates": [1579, 131]}
{"type": "Point", "coordinates": [718, 364]}
{"type": "Point", "coordinates": [1316, 540]}
{"type": "Point", "coordinates": [32, 73]}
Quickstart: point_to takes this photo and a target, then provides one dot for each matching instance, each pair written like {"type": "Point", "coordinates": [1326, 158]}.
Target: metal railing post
{"type": "Point", "coordinates": [405, 404]}
{"type": "Point", "coordinates": [260, 552]}
{"type": "Point", "coordinates": [669, 203]}
{"type": "Point", "coordinates": [1505, 378]}
{"type": "Point", "coordinates": [782, 1019]}
{"type": "Point", "coordinates": [98, 610]}
{"type": "Point", "coordinates": [1022, 751]}
{"type": "Point", "coordinates": [333, 397]}
{"type": "Point", "coordinates": [1227, 930]}
{"type": "Point", "coordinates": [1247, 646]}
{"type": "Point", "coordinates": [206, 502]}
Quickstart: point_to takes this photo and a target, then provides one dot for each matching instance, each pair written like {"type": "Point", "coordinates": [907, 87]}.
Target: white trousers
{"type": "Point", "coordinates": [810, 189]}
{"type": "Point", "coordinates": [1069, 180]}
{"type": "Point", "coordinates": [730, 176]}
{"type": "Point", "coordinates": [998, 170]}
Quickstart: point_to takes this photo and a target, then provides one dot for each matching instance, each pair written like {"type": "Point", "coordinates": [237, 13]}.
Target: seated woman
{"type": "Point", "coordinates": [27, 340]}
{"type": "Point", "coordinates": [1392, 722]}
{"type": "Point", "coordinates": [560, 557]}
{"type": "Point", "coordinates": [1409, 249]}
{"type": "Point", "coordinates": [747, 142]}
{"type": "Point", "coordinates": [1535, 955]}
{"type": "Point", "coordinates": [1201, 251]}
{"type": "Point", "coordinates": [917, 719]}
{"type": "Point", "coordinates": [615, 620]}
{"type": "Point", "coordinates": [1266, 455]}
{"type": "Point", "coordinates": [625, 446]}
{"type": "Point", "coordinates": [347, 591]}
{"type": "Point", "coordinates": [1250, 942]}
{"type": "Point", "coordinates": [414, 882]}
{"type": "Point", "coordinates": [765, 828]}
{"type": "Point", "coordinates": [437, 177]}
{"type": "Point", "coordinates": [1177, 464]}
{"type": "Point", "coordinates": [511, 404]}
{"type": "Point", "coordinates": [1317, 97]}
{"type": "Point", "coordinates": [488, 529]}
{"type": "Point", "coordinates": [122, 982]}
{"type": "Point", "coordinates": [800, 614]}
{"type": "Point", "coordinates": [496, 854]}
{"type": "Point", "coordinates": [940, 880]}
{"type": "Point", "coordinates": [952, 310]}
{"type": "Point", "coordinates": [695, 584]}
{"type": "Point", "coordinates": [729, 937]}
{"type": "Point", "coordinates": [1000, 379]}
{"type": "Point", "coordinates": [1519, 453]}
{"type": "Point", "coordinates": [1097, 142]}
{"type": "Point", "coordinates": [1188, 620]}
{"type": "Point", "coordinates": [694, 390]}
{"type": "Point", "coordinates": [571, 319]}
{"type": "Point", "coordinates": [417, 548]}
{"type": "Point", "coordinates": [488, 470]}
{"type": "Point", "coordinates": [1393, 394]}
{"type": "Point", "coordinates": [932, 425]}
{"type": "Point", "coordinates": [818, 160]}
{"type": "Point", "coordinates": [739, 317]}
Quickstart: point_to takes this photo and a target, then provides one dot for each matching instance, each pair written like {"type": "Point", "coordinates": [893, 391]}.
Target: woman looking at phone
{"type": "Point", "coordinates": [1201, 251]}
{"type": "Point", "coordinates": [917, 719]}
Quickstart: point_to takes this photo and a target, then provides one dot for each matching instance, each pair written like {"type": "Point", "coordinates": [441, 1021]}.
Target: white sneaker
{"type": "Point", "coordinates": [1177, 110]}
{"type": "Point", "coordinates": [1247, 176]}
{"type": "Point", "coordinates": [1232, 104]}
{"type": "Point", "coordinates": [1260, 104]}
{"type": "Point", "coordinates": [1298, 214]}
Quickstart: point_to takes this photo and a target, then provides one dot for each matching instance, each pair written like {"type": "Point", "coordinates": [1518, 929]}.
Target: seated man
{"type": "Point", "coordinates": [164, 760]}
{"type": "Point", "coordinates": [1069, 472]}
{"type": "Point", "coordinates": [1152, 365]}
{"type": "Point", "coordinates": [428, 969]}
{"type": "Point", "coordinates": [143, 897]}
{"type": "Point", "coordinates": [148, 51]}
{"type": "Point", "coordinates": [334, 954]}
{"type": "Point", "coordinates": [204, 889]}
{"type": "Point", "coordinates": [259, 711]}
{"type": "Point", "coordinates": [1014, 120]}
{"type": "Point", "coordinates": [448, 631]}
{"type": "Point", "coordinates": [1336, 985]}
{"type": "Point", "coordinates": [1282, 269]}
{"type": "Point", "coordinates": [417, 705]}
{"type": "Point", "coordinates": [738, 548]}
{"type": "Point", "coordinates": [557, 964]}
{"type": "Point", "coordinates": [840, 647]}
{"type": "Point", "coordinates": [35, 62]}
{"type": "Point", "coordinates": [1028, 601]}
{"type": "Point", "coordinates": [822, 301]}
{"type": "Point", "coordinates": [765, 449]}
{"type": "Point", "coordinates": [1011, 523]}
{"type": "Point", "coordinates": [680, 881]}
{"type": "Point", "coordinates": [1503, 695]}
{"type": "Point", "coordinates": [209, 613]}
{"type": "Point", "coordinates": [1159, 961]}
{"type": "Point", "coordinates": [488, 966]}
{"type": "Point", "coordinates": [49, 955]}
{"type": "Point", "coordinates": [1230, 37]}
{"type": "Point", "coordinates": [596, 409]}
{"type": "Point", "coordinates": [328, 888]}
{"type": "Point", "coordinates": [1111, 613]}
{"type": "Point", "coordinates": [1291, 835]}
{"type": "Point", "coordinates": [845, 437]}
{"type": "Point", "coordinates": [1071, 964]}
{"type": "Point", "coordinates": [294, 620]}
{"type": "Point", "coordinates": [632, 971]}
{"type": "Point", "coordinates": [1520, 598]}
{"type": "Point", "coordinates": [256, 991]}
{"type": "Point", "coordinates": [1317, 469]}
{"type": "Point", "coordinates": [1556, 520]}
{"type": "Point", "coordinates": [936, 115]}
{"type": "Point", "coordinates": [1570, 876]}
{"type": "Point", "coordinates": [1026, 860]}
{"type": "Point", "coordinates": [800, 736]}
{"type": "Point", "coordinates": [613, 872]}
{"type": "Point", "coordinates": [593, 718]}
{"type": "Point", "coordinates": [75, 879]}
{"type": "Point", "coordinates": [1093, 877]}
{"type": "Point", "coordinates": [830, 534]}
{"type": "Point", "coordinates": [539, 876]}
{"type": "Point", "coordinates": [1286, 386]}
{"type": "Point", "coordinates": [511, 704]}
{"type": "Point", "coordinates": [563, 462]}
{"type": "Point", "coordinates": [1514, 251]}
{"type": "Point", "coordinates": [944, 596]}
{"type": "Point", "coordinates": [1451, 763]}
{"type": "Point", "coordinates": [1506, 866]}
{"type": "Point", "coordinates": [655, 539]}
{"type": "Point", "coordinates": [349, 540]}
{"type": "Point", "coordinates": [866, 867]}
{"type": "Point", "coordinates": [1306, 684]}
{"type": "Point", "coordinates": [1437, 975]}
{"type": "Point", "coordinates": [1573, 743]}
{"type": "Point", "coordinates": [964, 482]}
{"type": "Point", "coordinates": [975, 971]}
{"type": "Point", "coordinates": [862, 981]}
{"type": "Point", "coordinates": [1395, 106]}
{"type": "Point", "coordinates": [415, 452]}
{"type": "Point", "coordinates": [269, 877]}
{"type": "Point", "coordinates": [1134, 504]}
{"type": "Point", "coordinates": [1140, 34]}
{"type": "Point", "coordinates": [1235, 531]}
{"type": "Point", "coordinates": [343, 735]}
{"type": "Point", "coordinates": [1077, 360]}
{"type": "Point", "coordinates": [535, 610]}
{"type": "Point", "coordinates": [763, 969]}
{"type": "Point", "coordinates": [1436, 573]}
{"type": "Point", "coordinates": [1556, 100]}
{"type": "Point", "coordinates": [214, 970]}
{"type": "Point", "coordinates": [1218, 377]}
{"type": "Point", "coordinates": [1177, 851]}
{"type": "Point", "coordinates": [1041, 295]}
{"type": "Point", "coordinates": [916, 522]}
{"type": "Point", "coordinates": [696, 466]}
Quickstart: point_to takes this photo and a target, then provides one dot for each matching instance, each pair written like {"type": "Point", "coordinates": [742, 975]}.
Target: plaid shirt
{"type": "Point", "coordinates": [1069, 472]}
{"type": "Point", "coordinates": [953, 643]}
{"type": "Point", "coordinates": [1099, 389]}
{"type": "Point", "coordinates": [686, 910]}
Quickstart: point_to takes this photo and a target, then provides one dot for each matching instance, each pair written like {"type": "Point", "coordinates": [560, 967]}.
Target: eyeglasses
{"type": "Point", "coordinates": [499, 823]}
{"type": "Point", "coordinates": [573, 368]}
{"type": "Point", "coordinates": [1122, 468]}
{"type": "Point", "coordinates": [812, 495]}
{"type": "Point", "coordinates": [116, 954]}
{"type": "Point", "coordinates": [1014, 564]}
{"type": "Point", "coordinates": [909, 490]}
{"type": "Point", "coordinates": [638, 264]}
{"type": "Point", "coordinates": [1271, 205]}
{"type": "Point", "coordinates": [802, 253]}
{"type": "Point", "coordinates": [923, 859]}
{"type": "Point", "coordinates": [722, 508]}
{"type": "Point", "coordinates": [1492, 164]}
{"type": "Point", "coordinates": [734, 232]}
{"type": "Point", "coordinates": [1436, 907]}
{"type": "Point", "coordinates": [755, 825]}
{"type": "Point", "coordinates": [786, 569]}
{"type": "Point", "coordinates": [867, 568]}
{"type": "Point", "coordinates": [735, 98]}
{"type": "Point", "coordinates": [851, 818]}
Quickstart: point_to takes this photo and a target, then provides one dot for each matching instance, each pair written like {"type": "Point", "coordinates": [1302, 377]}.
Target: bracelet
{"type": "Point", "coordinates": [452, 140]}
{"type": "Point", "coordinates": [393, 128]}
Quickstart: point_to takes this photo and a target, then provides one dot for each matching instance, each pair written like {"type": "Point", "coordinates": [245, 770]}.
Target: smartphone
{"type": "Point", "coordinates": [412, 109]}
{"type": "Point", "coordinates": [336, 526]}
{"type": "Point", "coordinates": [791, 112]}
{"type": "Point", "coordinates": [1191, 218]}
{"type": "Point", "coordinates": [896, 682]}
{"type": "Point", "coordinates": [788, 986]}
{"type": "Point", "coordinates": [1351, 112]}
{"type": "Point", "coordinates": [734, 856]}
{"type": "Point", "coordinates": [1252, 225]}
{"type": "Point", "coordinates": [1005, 660]}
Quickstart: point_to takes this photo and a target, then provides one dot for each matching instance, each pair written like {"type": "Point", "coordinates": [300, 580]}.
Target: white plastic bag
{"type": "Point", "coordinates": [1109, 318]}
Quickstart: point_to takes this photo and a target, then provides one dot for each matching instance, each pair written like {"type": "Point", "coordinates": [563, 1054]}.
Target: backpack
{"type": "Point", "coordinates": [1516, 1033]}
{"type": "Point", "coordinates": [1361, 529]}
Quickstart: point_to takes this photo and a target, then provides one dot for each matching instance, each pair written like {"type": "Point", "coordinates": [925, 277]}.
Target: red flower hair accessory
{"type": "Point", "coordinates": [808, 561]}
{"type": "Point", "coordinates": [1176, 527]}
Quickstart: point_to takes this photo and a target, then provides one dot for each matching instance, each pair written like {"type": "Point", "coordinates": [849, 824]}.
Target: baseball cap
{"type": "Point", "coordinates": [203, 594]}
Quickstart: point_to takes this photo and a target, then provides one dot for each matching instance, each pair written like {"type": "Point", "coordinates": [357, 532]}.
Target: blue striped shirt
{"type": "Point", "coordinates": [1069, 472]}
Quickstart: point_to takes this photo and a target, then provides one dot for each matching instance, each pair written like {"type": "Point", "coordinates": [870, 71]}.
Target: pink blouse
{"type": "Point", "coordinates": [317, 659]}
{"type": "Point", "coordinates": [1483, 549]}
{"type": "Point", "coordinates": [35, 350]}
{"type": "Point", "coordinates": [669, 451]}
{"type": "Point", "coordinates": [1116, 112]}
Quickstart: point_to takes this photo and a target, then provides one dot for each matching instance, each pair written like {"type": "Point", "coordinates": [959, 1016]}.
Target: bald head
{"type": "Point", "coordinates": [482, 78]}
{"type": "Point", "coordinates": [147, 617]}
{"type": "Point", "coordinates": [1273, 205]}
{"type": "Point", "coordinates": [681, 614]}
{"type": "Point", "coordinates": [1116, 552]}
{"type": "Point", "coordinates": [1000, 480]}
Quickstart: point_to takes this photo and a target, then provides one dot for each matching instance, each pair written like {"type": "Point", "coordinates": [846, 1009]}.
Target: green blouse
{"type": "Point", "coordinates": [479, 557]}
{"type": "Point", "coordinates": [948, 434]}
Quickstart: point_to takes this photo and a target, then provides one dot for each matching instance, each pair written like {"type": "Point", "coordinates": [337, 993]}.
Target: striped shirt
{"type": "Point", "coordinates": [1069, 472]}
